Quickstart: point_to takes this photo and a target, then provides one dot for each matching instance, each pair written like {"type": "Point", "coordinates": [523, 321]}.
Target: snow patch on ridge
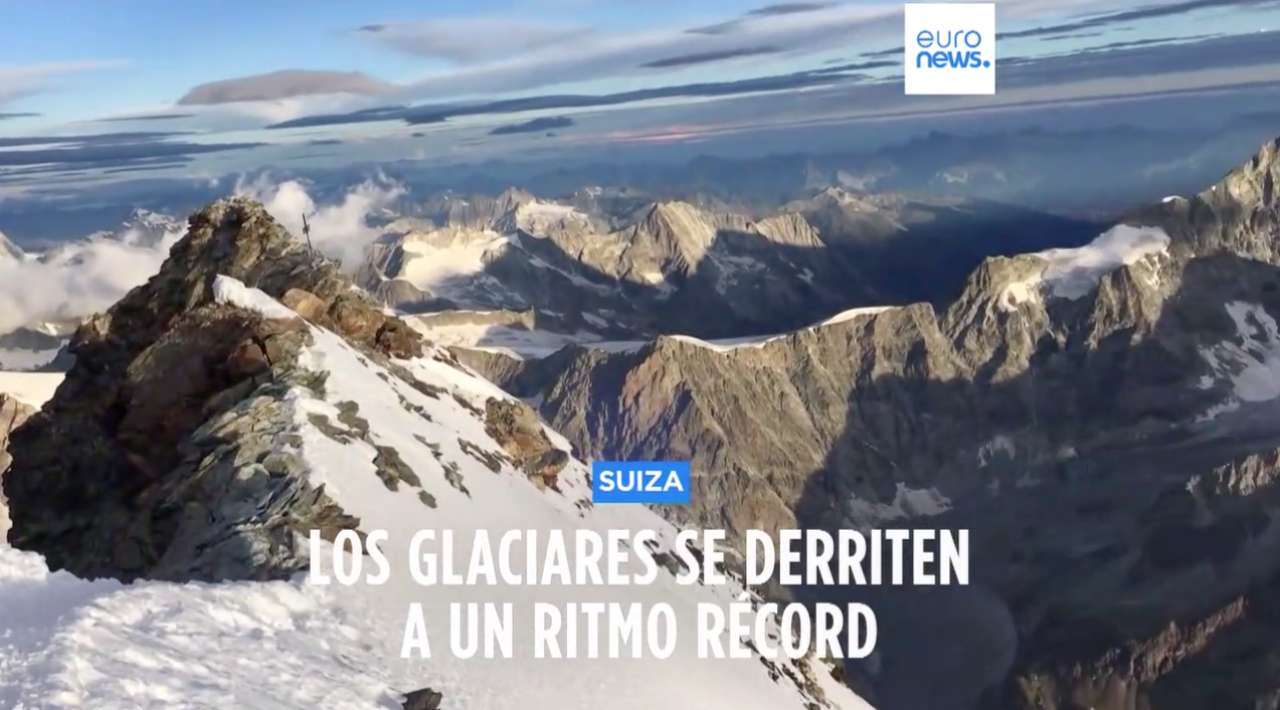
{"type": "Point", "coordinates": [230, 291]}
{"type": "Point", "coordinates": [519, 343]}
{"type": "Point", "coordinates": [538, 217]}
{"type": "Point", "coordinates": [431, 259]}
{"type": "Point", "coordinates": [999, 444]}
{"type": "Point", "coordinates": [853, 313]}
{"type": "Point", "coordinates": [724, 345]}
{"type": "Point", "coordinates": [907, 503]}
{"type": "Point", "coordinates": [1251, 366]}
{"type": "Point", "coordinates": [1073, 272]}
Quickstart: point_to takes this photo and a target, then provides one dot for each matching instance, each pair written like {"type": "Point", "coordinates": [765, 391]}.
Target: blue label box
{"type": "Point", "coordinates": [657, 482]}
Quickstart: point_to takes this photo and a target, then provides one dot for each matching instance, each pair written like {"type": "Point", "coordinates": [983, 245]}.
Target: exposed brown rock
{"type": "Point", "coordinates": [305, 304]}
{"type": "Point", "coordinates": [247, 360]}
{"type": "Point", "coordinates": [517, 427]}
{"type": "Point", "coordinates": [398, 340]}
{"type": "Point", "coordinates": [352, 316]}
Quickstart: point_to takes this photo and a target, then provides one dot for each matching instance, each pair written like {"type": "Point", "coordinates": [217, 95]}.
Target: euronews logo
{"type": "Point", "coordinates": [949, 48]}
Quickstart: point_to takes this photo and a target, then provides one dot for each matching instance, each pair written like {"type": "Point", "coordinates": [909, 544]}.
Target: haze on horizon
{"type": "Point", "coordinates": [158, 103]}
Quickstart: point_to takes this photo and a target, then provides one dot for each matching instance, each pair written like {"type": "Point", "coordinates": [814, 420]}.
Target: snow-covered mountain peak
{"type": "Point", "coordinates": [540, 218]}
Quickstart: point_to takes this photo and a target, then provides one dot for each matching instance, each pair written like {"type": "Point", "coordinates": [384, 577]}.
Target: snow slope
{"type": "Point", "coordinates": [514, 334]}
{"type": "Point", "coordinates": [729, 344]}
{"type": "Point", "coordinates": [74, 643]}
{"type": "Point", "coordinates": [1250, 364]}
{"type": "Point", "coordinates": [538, 217]}
{"type": "Point", "coordinates": [433, 259]}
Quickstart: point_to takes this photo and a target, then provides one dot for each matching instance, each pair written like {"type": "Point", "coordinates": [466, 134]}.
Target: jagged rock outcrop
{"type": "Point", "coordinates": [517, 428]}
{"type": "Point", "coordinates": [1251, 475]}
{"type": "Point", "coordinates": [1122, 677]}
{"type": "Point", "coordinates": [161, 454]}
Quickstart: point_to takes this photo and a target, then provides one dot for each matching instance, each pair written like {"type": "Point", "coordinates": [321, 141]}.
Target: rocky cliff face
{"type": "Point", "coordinates": [1062, 407]}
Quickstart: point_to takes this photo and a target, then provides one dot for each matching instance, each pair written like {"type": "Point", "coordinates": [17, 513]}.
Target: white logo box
{"type": "Point", "coordinates": [948, 32]}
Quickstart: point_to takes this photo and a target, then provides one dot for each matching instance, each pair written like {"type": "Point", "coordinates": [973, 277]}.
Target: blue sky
{"type": "Point", "coordinates": [153, 51]}
{"type": "Point", "coordinates": [223, 73]}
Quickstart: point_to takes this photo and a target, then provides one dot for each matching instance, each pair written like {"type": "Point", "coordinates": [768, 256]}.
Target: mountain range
{"type": "Point", "coordinates": [1097, 410]}
{"type": "Point", "coordinates": [619, 266]}
{"type": "Point", "coordinates": [1097, 416]}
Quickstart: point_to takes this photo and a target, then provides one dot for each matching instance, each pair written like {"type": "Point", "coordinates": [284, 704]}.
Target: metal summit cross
{"type": "Point", "coordinates": [306, 232]}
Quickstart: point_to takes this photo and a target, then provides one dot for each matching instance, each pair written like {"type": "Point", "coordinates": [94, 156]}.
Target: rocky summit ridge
{"type": "Point", "coordinates": [120, 451]}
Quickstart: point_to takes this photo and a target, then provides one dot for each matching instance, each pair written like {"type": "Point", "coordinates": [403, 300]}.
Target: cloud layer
{"type": "Point", "coordinates": [81, 278]}
{"type": "Point", "coordinates": [22, 80]}
{"type": "Point", "coordinates": [283, 84]}
{"type": "Point", "coordinates": [76, 280]}
{"type": "Point", "coordinates": [340, 230]}
{"type": "Point", "coordinates": [471, 39]}
{"type": "Point", "coordinates": [536, 125]}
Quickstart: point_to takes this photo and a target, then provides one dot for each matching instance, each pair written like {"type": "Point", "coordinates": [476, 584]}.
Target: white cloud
{"type": "Point", "coordinates": [17, 81]}
{"type": "Point", "coordinates": [76, 280]}
{"type": "Point", "coordinates": [490, 55]}
{"type": "Point", "coordinates": [283, 84]}
{"type": "Point", "coordinates": [605, 55]}
{"type": "Point", "coordinates": [86, 277]}
{"type": "Point", "coordinates": [341, 230]}
{"type": "Point", "coordinates": [470, 39]}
